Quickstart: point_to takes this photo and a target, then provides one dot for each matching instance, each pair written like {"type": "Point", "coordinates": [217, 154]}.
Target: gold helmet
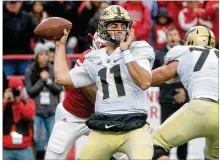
{"type": "Point", "coordinates": [113, 13]}
{"type": "Point", "coordinates": [199, 36]}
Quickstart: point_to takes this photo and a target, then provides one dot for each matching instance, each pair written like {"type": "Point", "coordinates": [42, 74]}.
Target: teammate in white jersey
{"type": "Point", "coordinates": [196, 66]}
{"type": "Point", "coordinates": [121, 71]}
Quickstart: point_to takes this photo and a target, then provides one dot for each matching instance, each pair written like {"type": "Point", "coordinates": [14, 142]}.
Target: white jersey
{"type": "Point", "coordinates": [117, 92]}
{"type": "Point", "coordinates": [197, 70]}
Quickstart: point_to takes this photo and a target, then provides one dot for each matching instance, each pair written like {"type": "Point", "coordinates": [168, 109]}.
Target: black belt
{"type": "Point", "coordinates": [207, 99]}
{"type": "Point", "coordinates": [116, 122]}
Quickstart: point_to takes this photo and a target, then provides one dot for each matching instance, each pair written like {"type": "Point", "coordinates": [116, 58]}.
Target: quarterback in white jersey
{"type": "Point", "coordinates": [196, 66]}
{"type": "Point", "coordinates": [116, 88]}
{"type": "Point", "coordinates": [121, 72]}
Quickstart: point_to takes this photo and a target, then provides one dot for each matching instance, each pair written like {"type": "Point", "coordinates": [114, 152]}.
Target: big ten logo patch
{"type": "Point", "coordinates": [153, 107]}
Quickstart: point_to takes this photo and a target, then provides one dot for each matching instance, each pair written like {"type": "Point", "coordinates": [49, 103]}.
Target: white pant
{"type": "Point", "coordinates": [67, 129]}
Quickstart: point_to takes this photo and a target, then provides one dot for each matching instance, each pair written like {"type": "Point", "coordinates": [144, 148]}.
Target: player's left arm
{"type": "Point", "coordinates": [139, 74]}
{"type": "Point", "coordinates": [164, 73]}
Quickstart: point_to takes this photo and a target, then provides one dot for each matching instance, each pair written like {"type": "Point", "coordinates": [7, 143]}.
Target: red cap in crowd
{"type": "Point", "coordinates": [15, 83]}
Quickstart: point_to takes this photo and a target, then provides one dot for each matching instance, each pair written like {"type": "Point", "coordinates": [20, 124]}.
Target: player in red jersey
{"type": "Point", "coordinates": [72, 114]}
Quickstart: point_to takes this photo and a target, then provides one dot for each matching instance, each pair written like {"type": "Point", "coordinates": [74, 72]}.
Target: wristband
{"type": "Point", "coordinates": [127, 56]}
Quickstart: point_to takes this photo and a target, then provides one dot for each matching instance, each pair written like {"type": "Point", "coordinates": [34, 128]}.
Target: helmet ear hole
{"type": "Point", "coordinates": [192, 42]}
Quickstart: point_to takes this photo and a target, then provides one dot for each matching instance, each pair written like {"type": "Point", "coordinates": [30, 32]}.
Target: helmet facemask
{"type": "Point", "coordinates": [105, 32]}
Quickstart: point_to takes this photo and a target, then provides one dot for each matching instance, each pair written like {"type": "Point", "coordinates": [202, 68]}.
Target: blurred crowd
{"type": "Point", "coordinates": [161, 23]}
{"type": "Point", "coordinates": [151, 19]}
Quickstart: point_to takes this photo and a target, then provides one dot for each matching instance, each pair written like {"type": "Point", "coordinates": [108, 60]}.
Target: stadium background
{"type": "Point", "coordinates": [83, 15]}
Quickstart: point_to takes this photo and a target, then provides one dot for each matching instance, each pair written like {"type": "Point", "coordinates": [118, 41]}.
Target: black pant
{"type": "Point", "coordinates": [166, 111]}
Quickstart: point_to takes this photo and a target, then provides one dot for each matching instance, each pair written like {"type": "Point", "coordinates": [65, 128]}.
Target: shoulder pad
{"type": "Point", "coordinates": [137, 44]}
{"type": "Point", "coordinates": [142, 50]}
{"type": "Point", "coordinates": [176, 53]}
{"type": "Point", "coordinates": [94, 54]}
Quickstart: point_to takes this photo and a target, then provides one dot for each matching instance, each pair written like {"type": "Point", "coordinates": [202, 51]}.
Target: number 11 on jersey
{"type": "Point", "coordinates": [118, 81]}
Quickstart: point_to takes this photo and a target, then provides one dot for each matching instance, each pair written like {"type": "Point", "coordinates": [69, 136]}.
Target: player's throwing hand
{"type": "Point", "coordinates": [63, 39]}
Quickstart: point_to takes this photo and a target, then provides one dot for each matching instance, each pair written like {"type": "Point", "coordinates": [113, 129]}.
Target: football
{"type": "Point", "coordinates": [52, 28]}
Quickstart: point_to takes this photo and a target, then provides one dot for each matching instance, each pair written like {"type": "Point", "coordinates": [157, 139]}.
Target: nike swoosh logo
{"type": "Point", "coordinates": [109, 126]}
{"type": "Point", "coordinates": [116, 60]}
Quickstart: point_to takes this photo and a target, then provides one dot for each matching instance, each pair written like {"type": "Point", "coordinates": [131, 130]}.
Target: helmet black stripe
{"type": "Point", "coordinates": [209, 39]}
{"type": "Point", "coordinates": [118, 11]}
